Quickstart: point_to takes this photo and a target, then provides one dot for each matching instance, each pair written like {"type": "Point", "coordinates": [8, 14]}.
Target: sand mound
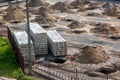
{"type": "Point", "coordinates": [36, 3]}
{"type": "Point", "coordinates": [76, 24]}
{"type": "Point", "coordinates": [14, 13]}
{"type": "Point", "coordinates": [45, 18]}
{"type": "Point", "coordinates": [91, 55]}
{"type": "Point", "coordinates": [79, 3]}
{"type": "Point", "coordinates": [105, 29]}
{"type": "Point", "coordinates": [61, 7]}
{"type": "Point", "coordinates": [111, 9]}
{"type": "Point", "coordinates": [45, 9]}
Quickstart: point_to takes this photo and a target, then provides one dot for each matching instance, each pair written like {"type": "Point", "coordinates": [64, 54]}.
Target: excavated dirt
{"type": "Point", "coordinates": [14, 13]}
{"type": "Point", "coordinates": [76, 24]}
{"type": "Point", "coordinates": [91, 55]}
{"type": "Point", "coordinates": [79, 3]}
{"type": "Point", "coordinates": [60, 6]}
{"type": "Point", "coordinates": [46, 18]}
{"type": "Point", "coordinates": [45, 9]}
{"type": "Point", "coordinates": [105, 29]}
{"type": "Point", "coordinates": [36, 3]}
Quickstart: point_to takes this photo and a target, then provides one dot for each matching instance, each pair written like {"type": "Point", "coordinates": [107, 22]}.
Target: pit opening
{"type": "Point", "coordinates": [60, 61]}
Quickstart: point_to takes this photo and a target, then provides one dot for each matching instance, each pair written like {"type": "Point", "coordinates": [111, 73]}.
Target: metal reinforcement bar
{"type": "Point", "coordinates": [62, 75]}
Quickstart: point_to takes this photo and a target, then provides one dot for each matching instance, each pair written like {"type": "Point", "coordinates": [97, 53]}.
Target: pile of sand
{"type": "Point", "coordinates": [36, 3]}
{"type": "Point", "coordinates": [79, 3]}
{"type": "Point", "coordinates": [76, 24]}
{"type": "Point", "coordinates": [111, 9]}
{"type": "Point", "coordinates": [62, 7]}
{"type": "Point", "coordinates": [14, 13]}
{"type": "Point", "coordinates": [45, 9]}
{"type": "Point", "coordinates": [91, 55]}
{"type": "Point", "coordinates": [103, 28]}
{"type": "Point", "coordinates": [46, 18]}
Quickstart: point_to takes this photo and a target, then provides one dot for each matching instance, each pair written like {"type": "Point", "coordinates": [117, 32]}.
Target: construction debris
{"type": "Point", "coordinates": [14, 13]}
{"type": "Point", "coordinates": [76, 24]}
{"type": "Point", "coordinates": [103, 28]}
{"type": "Point", "coordinates": [62, 7]}
{"type": "Point", "coordinates": [46, 19]}
{"type": "Point", "coordinates": [90, 55]}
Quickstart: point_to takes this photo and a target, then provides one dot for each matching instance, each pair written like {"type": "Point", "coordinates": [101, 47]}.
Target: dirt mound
{"type": "Point", "coordinates": [105, 29]}
{"type": "Point", "coordinates": [36, 3]}
{"type": "Point", "coordinates": [14, 13]}
{"type": "Point", "coordinates": [111, 9]}
{"type": "Point", "coordinates": [61, 7]}
{"type": "Point", "coordinates": [45, 9]}
{"type": "Point", "coordinates": [76, 24]}
{"type": "Point", "coordinates": [91, 55]}
{"type": "Point", "coordinates": [45, 18]}
{"type": "Point", "coordinates": [79, 3]}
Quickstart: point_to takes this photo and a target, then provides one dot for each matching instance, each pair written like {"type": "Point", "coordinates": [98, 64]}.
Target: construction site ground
{"type": "Point", "coordinates": [77, 41]}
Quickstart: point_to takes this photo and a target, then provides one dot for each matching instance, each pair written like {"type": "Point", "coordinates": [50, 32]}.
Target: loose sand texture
{"type": "Point", "coordinates": [91, 55]}
{"type": "Point", "coordinates": [62, 7]}
{"type": "Point", "coordinates": [105, 29]}
{"type": "Point", "coordinates": [76, 24]}
{"type": "Point", "coordinates": [14, 13]}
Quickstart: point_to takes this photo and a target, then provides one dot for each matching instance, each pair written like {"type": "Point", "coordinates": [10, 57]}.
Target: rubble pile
{"type": "Point", "coordinates": [76, 24]}
{"type": "Point", "coordinates": [91, 55]}
{"type": "Point", "coordinates": [46, 19]}
{"type": "Point", "coordinates": [103, 28]}
{"type": "Point", "coordinates": [14, 13]}
{"type": "Point", "coordinates": [60, 6]}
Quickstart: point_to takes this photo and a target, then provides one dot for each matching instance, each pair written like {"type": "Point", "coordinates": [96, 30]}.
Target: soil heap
{"type": "Point", "coordinates": [103, 28]}
{"type": "Point", "coordinates": [76, 24]}
{"type": "Point", "coordinates": [45, 9]}
{"type": "Point", "coordinates": [36, 3]}
{"type": "Point", "coordinates": [14, 13]}
{"type": "Point", "coordinates": [79, 3]}
{"type": "Point", "coordinates": [45, 18]}
{"type": "Point", "coordinates": [91, 55]}
{"type": "Point", "coordinates": [111, 9]}
{"type": "Point", "coordinates": [60, 6]}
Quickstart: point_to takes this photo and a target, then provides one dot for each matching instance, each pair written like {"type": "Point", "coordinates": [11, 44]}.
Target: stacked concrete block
{"type": "Point", "coordinates": [21, 39]}
{"type": "Point", "coordinates": [39, 38]}
{"type": "Point", "coordinates": [57, 44]}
